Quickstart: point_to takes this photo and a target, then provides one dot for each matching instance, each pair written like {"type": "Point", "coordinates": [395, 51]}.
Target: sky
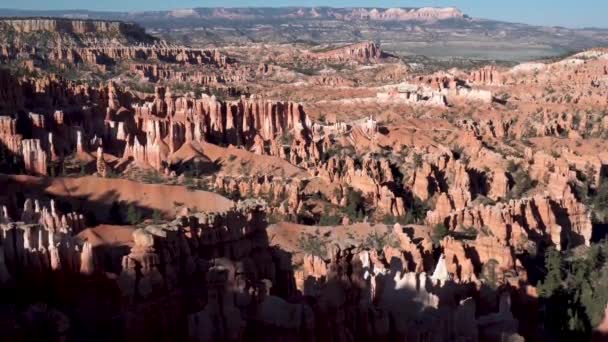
{"type": "Point", "coordinates": [569, 13]}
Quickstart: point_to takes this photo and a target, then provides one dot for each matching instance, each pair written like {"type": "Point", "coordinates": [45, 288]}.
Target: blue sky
{"type": "Point", "coordinates": [570, 13]}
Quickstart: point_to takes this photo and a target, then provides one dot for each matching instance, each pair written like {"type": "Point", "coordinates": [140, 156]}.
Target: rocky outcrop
{"type": "Point", "coordinates": [333, 81]}
{"type": "Point", "coordinates": [150, 154]}
{"type": "Point", "coordinates": [159, 72]}
{"type": "Point", "coordinates": [558, 221]}
{"type": "Point", "coordinates": [488, 75]}
{"type": "Point", "coordinates": [403, 14]}
{"type": "Point", "coordinates": [395, 295]}
{"type": "Point", "coordinates": [360, 52]}
{"type": "Point", "coordinates": [222, 265]}
{"type": "Point", "coordinates": [226, 253]}
{"type": "Point", "coordinates": [170, 122]}
{"type": "Point", "coordinates": [230, 122]}
{"type": "Point", "coordinates": [42, 241]}
{"type": "Point", "coordinates": [8, 135]}
{"type": "Point", "coordinates": [28, 25]}
{"type": "Point", "coordinates": [101, 164]}
{"type": "Point", "coordinates": [148, 132]}
{"type": "Point", "coordinates": [168, 54]}
{"type": "Point", "coordinates": [487, 128]}
{"type": "Point", "coordinates": [34, 157]}
{"type": "Point", "coordinates": [373, 177]}
{"type": "Point", "coordinates": [413, 94]}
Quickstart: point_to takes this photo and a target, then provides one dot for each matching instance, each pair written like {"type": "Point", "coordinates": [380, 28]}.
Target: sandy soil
{"type": "Point", "coordinates": [245, 163]}
{"type": "Point", "coordinates": [99, 194]}
{"type": "Point", "coordinates": [108, 235]}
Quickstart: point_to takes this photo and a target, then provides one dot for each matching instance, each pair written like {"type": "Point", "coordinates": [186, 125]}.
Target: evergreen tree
{"type": "Point", "coordinates": [133, 215]}
{"type": "Point", "coordinates": [439, 232]}
{"type": "Point", "coordinates": [553, 279]}
{"type": "Point", "coordinates": [157, 217]}
{"type": "Point", "coordinates": [488, 273]}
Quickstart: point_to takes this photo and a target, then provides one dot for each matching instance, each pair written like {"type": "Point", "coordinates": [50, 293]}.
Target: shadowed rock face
{"type": "Point", "coordinates": [205, 268]}
{"type": "Point", "coordinates": [226, 253]}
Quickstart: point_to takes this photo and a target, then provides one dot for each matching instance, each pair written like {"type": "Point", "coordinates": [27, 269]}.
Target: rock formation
{"type": "Point", "coordinates": [361, 52]}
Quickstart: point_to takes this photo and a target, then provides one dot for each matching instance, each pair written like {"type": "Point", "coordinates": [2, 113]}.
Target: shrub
{"type": "Point", "coordinates": [328, 218]}
{"type": "Point", "coordinates": [133, 215]}
{"type": "Point", "coordinates": [417, 160]}
{"type": "Point", "coordinates": [388, 219]}
{"type": "Point", "coordinates": [417, 211]}
{"type": "Point", "coordinates": [287, 138]}
{"type": "Point", "coordinates": [469, 233]}
{"type": "Point", "coordinates": [576, 121]}
{"type": "Point", "coordinates": [457, 151]}
{"type": "Point", "coordinates": [157, 217]}
{"type": "Point", "coordinates": [355, 204]}
{"type": "Point", "coordinates": [111, 173]}
{"type": "Point", "coordinates": [439, 232]}
{"type": "Point", "coordinates": [599, 203]}
{"type": "Point", "coordinates": [488, 273]}
{"type": "Point", "coordinates": [485, 230]}
{"type": "Point", "coordinates": [313, 245]}
{"type": "Point", "coordinates": [485, 200]}
{"type": "Point", "coordinates": [377, 241]}
{"type": "Point", "coordinates": [152, 177]}
{"type": "Point", "coordinates": [522, 180]}
{"type": "Point", "coordinates": [580, 190]}
{"type": "Point", "coordinates": [275, 218]}
{"type": "Point", "coordinates": [460, 154]}
{"type": "Point", "coordinates": [530, 132]}
{"type": "Point", "coordinates": [512, 166]}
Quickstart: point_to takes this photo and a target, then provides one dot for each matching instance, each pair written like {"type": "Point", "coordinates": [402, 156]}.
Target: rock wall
{"type": "Point", "coordinates": [546, 219]}
{"type": "Point", "coordinates": [34, 157]}
{"type": "Point", "coordinates": [369, 295]}
{"type": "Point", "coordinates": [195, 270]}
{"type": "Point", "coordinates": [27, 25]}
{"type": "Point", "coordinates": [360, 52]}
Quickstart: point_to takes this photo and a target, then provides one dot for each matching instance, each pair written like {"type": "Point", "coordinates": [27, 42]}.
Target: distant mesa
{"type": "Point", "coordinates": [183, 13]}
{"type": "Point", "coordinates": [360, 13]}
{"type": "Point", "coordinates": [404, 14]}
{"type": "Point", "coordinates": [424, 14]}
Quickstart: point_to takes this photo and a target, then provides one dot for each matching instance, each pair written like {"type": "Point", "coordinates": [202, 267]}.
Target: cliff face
{"type": "Point", "coordinates": [71, 26]}
{"type": "Point", "coordinates": [69, 29]}
{"type": "Point", "coordinates": [178, 279]}
{"type": "Point", "coordinates": [365, 52]}
{"type": "Point", "coordinates": [46, 248]}
{"type": "Point", "coordinates": [358, 13]}
{"type": "Point", "coordinates": [405, 14]}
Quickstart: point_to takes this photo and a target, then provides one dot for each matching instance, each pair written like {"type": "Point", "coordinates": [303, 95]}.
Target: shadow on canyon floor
{"type": "Point", "coordinates": [95, 307]}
